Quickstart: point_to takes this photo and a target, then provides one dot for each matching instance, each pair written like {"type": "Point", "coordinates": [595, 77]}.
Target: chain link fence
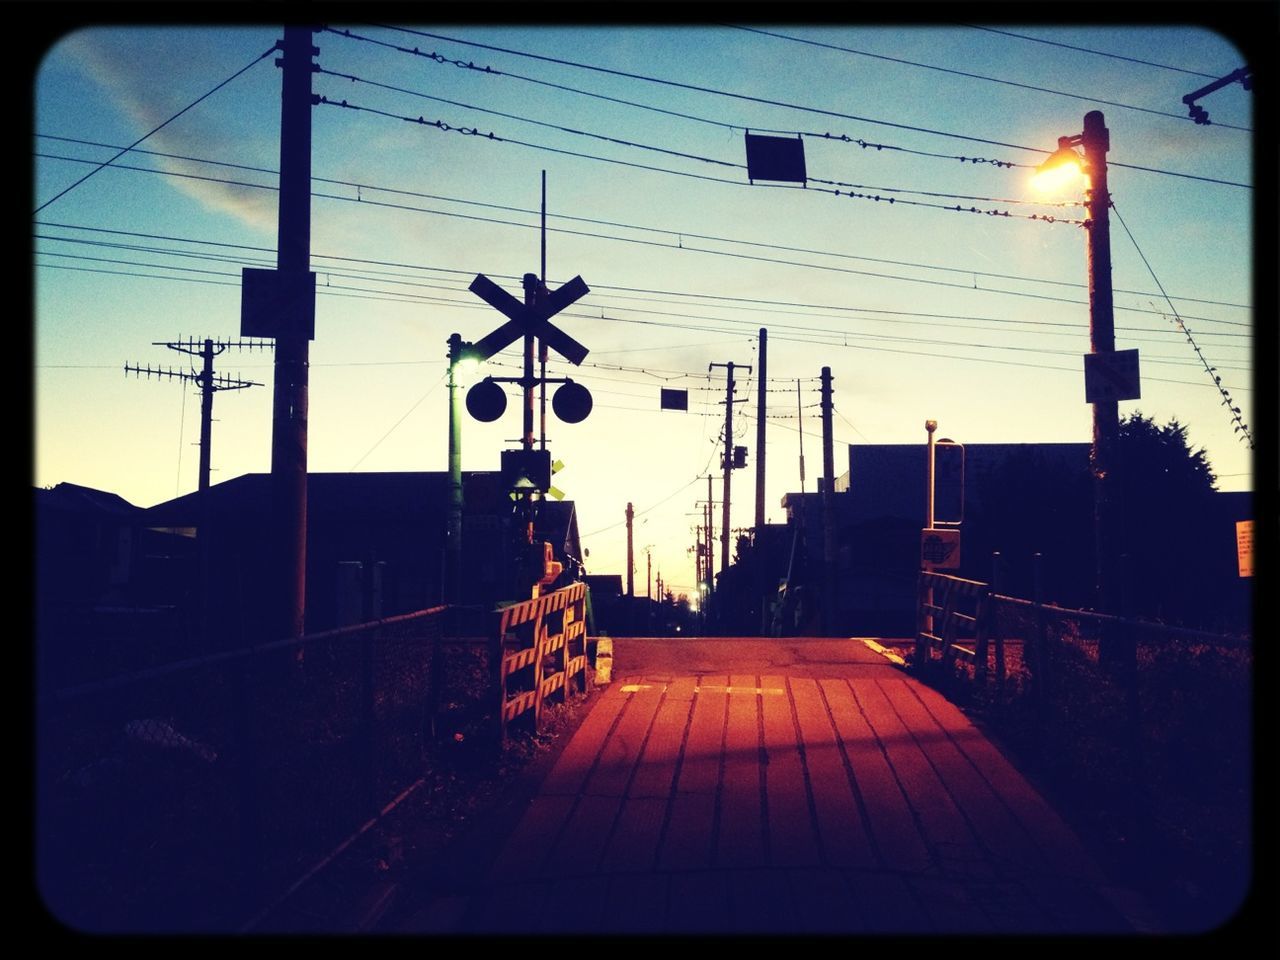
{"type": "Point", "coordinates": [187, 797]}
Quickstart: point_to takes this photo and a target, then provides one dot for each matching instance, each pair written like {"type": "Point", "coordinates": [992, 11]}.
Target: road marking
{"type": "Point", "coordinates": [884, 652]}
{"type": "Point", "coordinates": [777, 691]}
{"type": "Point", "coordinates": [633, 687]}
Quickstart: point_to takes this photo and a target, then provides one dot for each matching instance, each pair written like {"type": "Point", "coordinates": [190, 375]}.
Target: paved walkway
{"type": "Point", "coordinates": [798, 786]}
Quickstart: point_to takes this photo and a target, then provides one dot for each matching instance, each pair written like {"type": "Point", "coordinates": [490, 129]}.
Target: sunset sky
{"type": "Point", "coordinates": [976, 320]}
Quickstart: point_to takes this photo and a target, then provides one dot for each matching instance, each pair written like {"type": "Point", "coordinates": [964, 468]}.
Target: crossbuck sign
{"type": "Point", "coordinates": [522, 319]}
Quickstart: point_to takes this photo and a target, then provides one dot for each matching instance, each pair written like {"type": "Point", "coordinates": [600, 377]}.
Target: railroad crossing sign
{"type": "Point", "coordinates": [533, 319]}
{"type": "Point", "coordinates": [1111, 376]}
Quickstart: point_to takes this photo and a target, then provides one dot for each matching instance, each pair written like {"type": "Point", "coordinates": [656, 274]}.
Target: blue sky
{"type": "Point", "coordinates": [922, 313]}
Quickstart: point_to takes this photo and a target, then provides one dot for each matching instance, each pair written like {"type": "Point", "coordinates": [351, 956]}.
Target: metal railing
{"type": "Point", "coordinates": [186, 797]}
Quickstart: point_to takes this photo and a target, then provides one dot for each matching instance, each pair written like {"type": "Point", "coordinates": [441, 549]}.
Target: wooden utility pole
{"type": "Point", "coordinates": [206, 380]}
{"type": "Point", "coordinates": [828, 509]}
{"type": "Point", "coordinates": [293, 346]}
{"type": "Point", "coordinates": [728, 456]}
{"type": "Point", "coordinates": [631, 566]}
{"type": "Point", "coordinates": [711, 539]}
{"type": "Point", "coordinates": [760, 421]}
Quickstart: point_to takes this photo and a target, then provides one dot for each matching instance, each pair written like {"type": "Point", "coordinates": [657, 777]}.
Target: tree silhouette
{"type": "Point", "coordinates": [1166, 492]}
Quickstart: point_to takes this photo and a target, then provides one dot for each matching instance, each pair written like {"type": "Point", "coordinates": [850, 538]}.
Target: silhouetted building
{"type": "Point", "coordinates": [1019, 499]}
{"type": "Point", "coordinates": [381, 534]}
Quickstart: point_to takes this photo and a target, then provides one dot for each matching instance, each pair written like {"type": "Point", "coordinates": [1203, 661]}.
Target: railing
{"type": "Point", "coordinates": [1154, 743]}
{"type": "Point", "coordinates": [539, 648]}
{"type": "Point", "coordinates": [188, 797]}
{"type": "Point", "coordinates": [948, 609]}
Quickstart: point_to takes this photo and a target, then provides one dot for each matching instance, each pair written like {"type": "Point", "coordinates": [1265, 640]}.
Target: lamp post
{"type": "Point", "coordinates": [459, 352]}
{"type": "Point", "coordinates": [1095, 140]}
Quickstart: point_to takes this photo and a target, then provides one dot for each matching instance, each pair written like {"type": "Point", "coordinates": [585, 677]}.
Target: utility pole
{"type": "Point", "coordinates": [648, 573]}
{"type": "Point", "coordinates": [542, 344]}
{"type": "Point", "coordinates": [531, 290]}
{"type": "Point", "coordinates": [292, 356]}
{"type": "Point", "coordinates": [828, 510]}
{"type": "Point", "coordinates": [208, 383]}
{"type": "Point", "coordinates": [631, 566]}
{"type": "Point", "coordinates": [728, 455]}
{"type": "Point", "coordinates": [206, 380]}
{"type": "Point", "coordinates": [760, 421]}
{"type": "Point", "coordinates": [1102, 339]}
{"type": "Point", "coordinates": [800, 422]}
{"type": "Point", "coordinates": [711, 566]}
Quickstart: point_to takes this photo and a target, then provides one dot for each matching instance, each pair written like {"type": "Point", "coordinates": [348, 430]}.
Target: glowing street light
{"type": "Point", "coordinates": [1063, 168]}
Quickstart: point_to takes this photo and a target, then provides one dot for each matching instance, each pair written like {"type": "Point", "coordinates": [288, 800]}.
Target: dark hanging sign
{"type": "Point", "coordinates": [775, 158]}
{"type": "Point", "coordinates": [277, 303]}
{"type": "Point", "coordinates": [675, 399]}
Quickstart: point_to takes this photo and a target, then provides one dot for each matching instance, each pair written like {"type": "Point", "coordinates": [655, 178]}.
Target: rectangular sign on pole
{"type": "Point", "coordinates": [940, 548]}
{"type": "Point", "coordinates": [1244, 547]}
{"type": "Point", "coordinates": [1111, 376]}
{"type": "Point", "coordinates": [276, 303]}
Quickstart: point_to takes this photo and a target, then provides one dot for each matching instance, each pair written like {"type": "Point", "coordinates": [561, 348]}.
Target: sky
{"type": "Point", "coordinates": [975, 319]}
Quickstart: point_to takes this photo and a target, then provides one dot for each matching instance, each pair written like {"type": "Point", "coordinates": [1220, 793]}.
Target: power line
{"type": "Point", "coordinates": [680, 235]}
{"type": "Point", "coordinates": [700, 89]}
{"type": "Point", "coordinates": [735, 301]}
{"type": "Point", "coordinates": [493, 137]}
{"type": "Point", "coordinates": [205, 96]}
{"type": "Point", "coordinates": [778, 103]}
{"type": "Point", "coordinates": [723, 124]}
{"type": "Point", "coordinates": [539, 123]}
{"type": "Point", "coordinates": [464, 305]}
{"type": "Point", "coordinates": [417, 403]}
{"type": "Point", "coordinates": [645, 146]}
{"type": "Point", "coordinates": [1100, 53]}
{"type": "Point", "coordinates": [1238, 424]}
{"type": "Point", "coordinates": [974, 76]}
{"type": "Point", "coordinates": [800, 329]}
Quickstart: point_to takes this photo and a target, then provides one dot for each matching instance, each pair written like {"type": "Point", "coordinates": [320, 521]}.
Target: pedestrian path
{"type": "Point", "coordinates": [859, 801]}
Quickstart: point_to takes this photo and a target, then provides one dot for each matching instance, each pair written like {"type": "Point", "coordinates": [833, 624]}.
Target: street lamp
{"type": "Point", "coordinates": [1095, 140]}
{"type": "Point", "coordinates": [462, 360]}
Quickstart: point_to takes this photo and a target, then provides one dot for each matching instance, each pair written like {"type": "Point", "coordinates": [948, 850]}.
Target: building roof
{"type": "Point", "coordinates": [73, 497]}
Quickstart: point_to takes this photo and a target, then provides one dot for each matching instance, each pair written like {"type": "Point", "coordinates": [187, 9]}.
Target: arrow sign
{"type": "Point", "coordinates": [522, 320]}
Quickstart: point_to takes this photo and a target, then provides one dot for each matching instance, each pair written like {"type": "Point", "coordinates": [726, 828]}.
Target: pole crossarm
{"type": "Point", "coordinates": [218, 382]}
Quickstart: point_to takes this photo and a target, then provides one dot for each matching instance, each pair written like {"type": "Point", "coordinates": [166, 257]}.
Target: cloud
{"type": "Point", "coordinates": [110, 57]}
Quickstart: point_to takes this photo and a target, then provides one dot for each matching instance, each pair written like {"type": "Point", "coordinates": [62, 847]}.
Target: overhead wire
{"type": "Point", "coordinates": [643, 146]}
{"type": "Point", "coordinates": [661, 296]}
{"type": "Point", "coordinates": [1100, 53]}
{"type": "Point", "coordinates": [778, 103]}
{"type": "Point", "coordinates": [683, 326]}
{"type": "Point", "coordinates": [852, 193]}
{"type": "Point", "coordinates": [976, 76]}
{"type": "Point", "coordinates": [858, 337]}
{"type": "Point", "coordinates": [1237, 419]}
{"type": "Point", "coordinates": [205, 96]}
{"type": "Point", "coordinates": [661, 230]}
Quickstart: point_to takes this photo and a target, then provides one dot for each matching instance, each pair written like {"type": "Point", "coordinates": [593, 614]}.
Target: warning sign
{"type": "Point", "coordinates": [1111, 376]}
{"type": "Point", "coordinates": [1244, 547]}
{"type": "Point", "coordinates": [940, 549]}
